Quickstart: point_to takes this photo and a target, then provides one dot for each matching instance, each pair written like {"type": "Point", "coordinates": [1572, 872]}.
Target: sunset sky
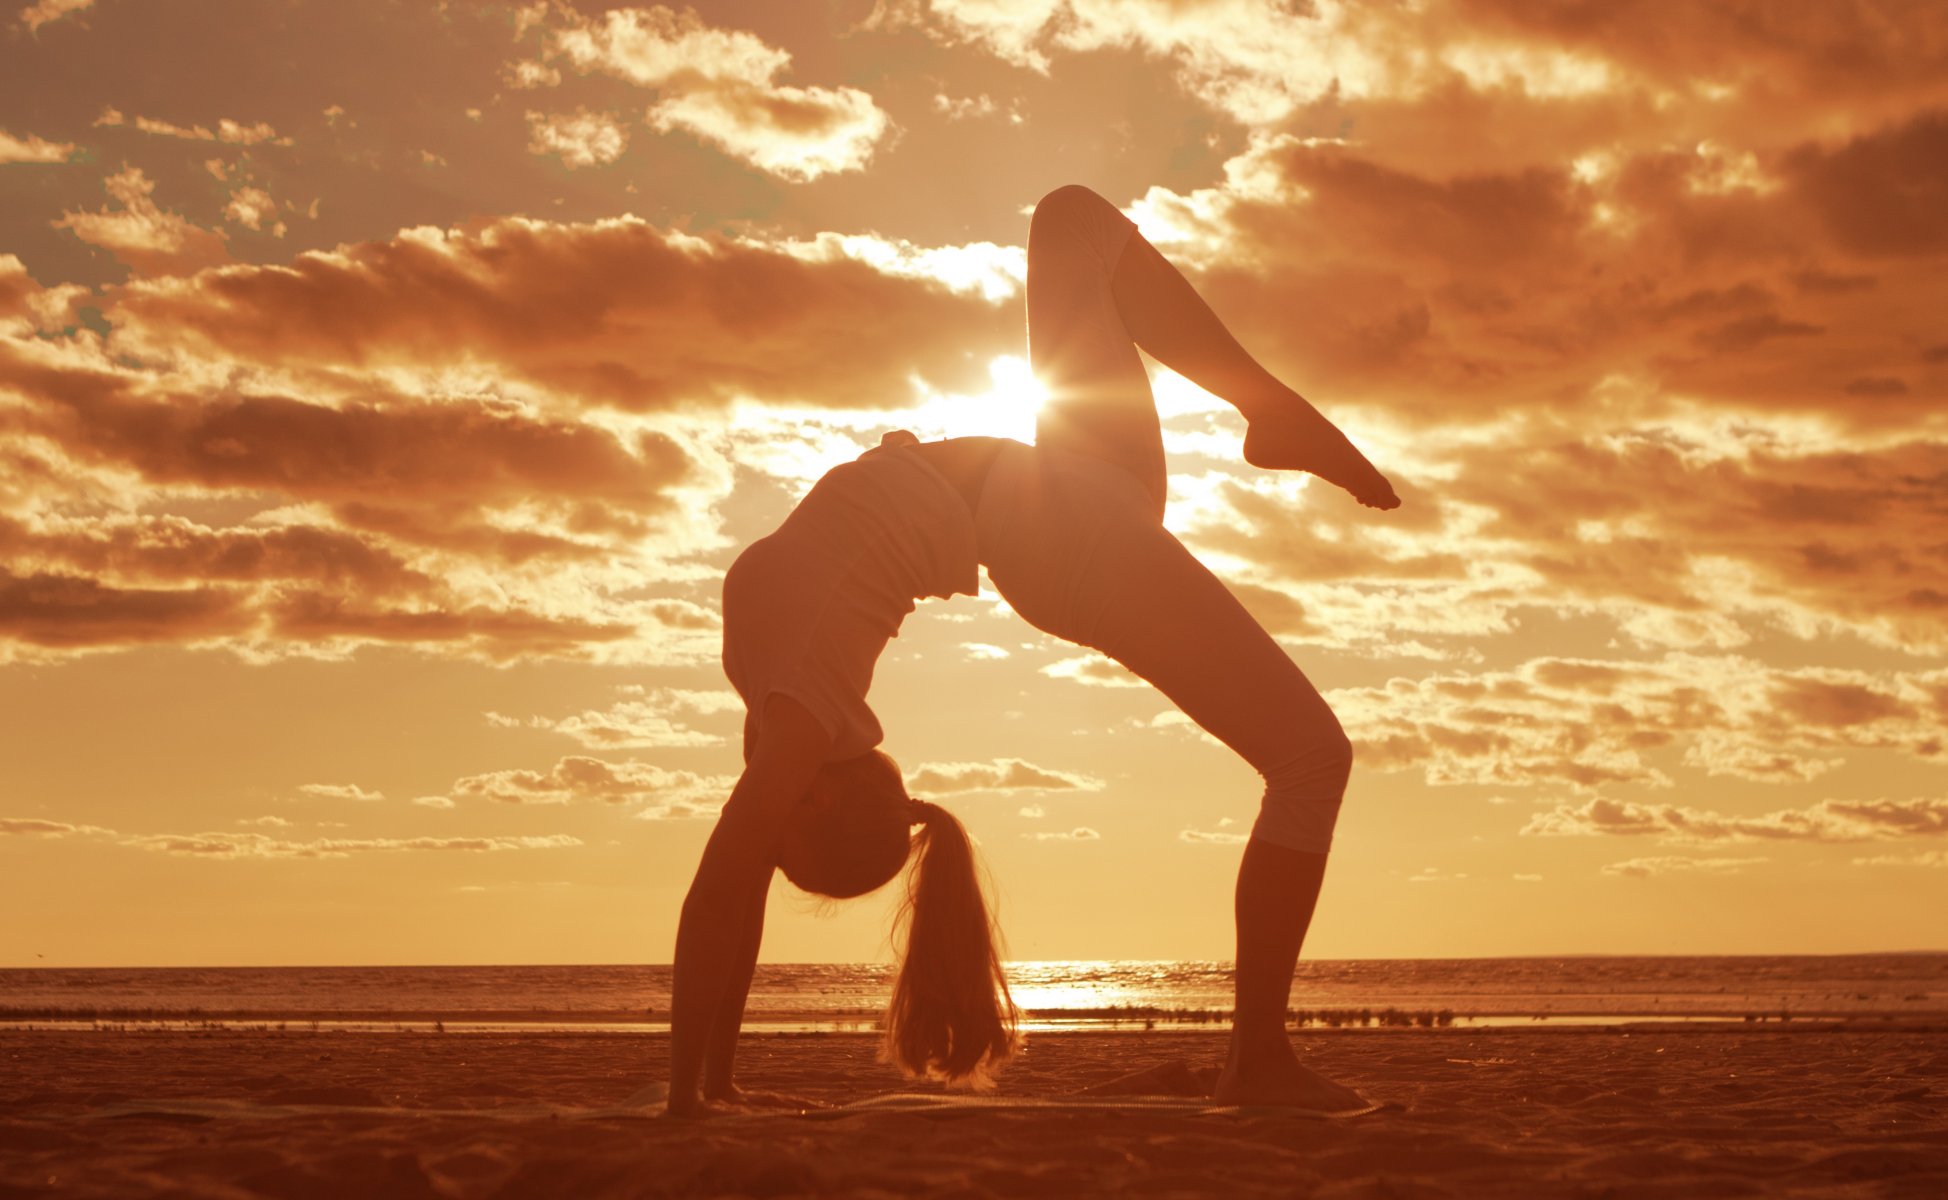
{"type": "Point", "coordinates": [385, 387]}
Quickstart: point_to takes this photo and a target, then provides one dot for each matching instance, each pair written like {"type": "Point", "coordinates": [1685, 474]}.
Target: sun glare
{"type": "Point", "coordinates": [1007, 409]}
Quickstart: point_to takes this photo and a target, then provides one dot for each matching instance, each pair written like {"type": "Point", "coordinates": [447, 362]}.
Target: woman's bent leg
{"type": "Point", "coordinates": [1172, 622]}
{"type": "Point", "coordinates": [1067, 544]}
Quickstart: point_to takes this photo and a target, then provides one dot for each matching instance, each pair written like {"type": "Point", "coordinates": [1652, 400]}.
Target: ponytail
{"type": "Point", "coordinates": [951, 1017]}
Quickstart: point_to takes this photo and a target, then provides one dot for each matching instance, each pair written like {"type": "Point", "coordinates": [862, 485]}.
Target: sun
{"type": "Point", "coordinates": [1006, 409]}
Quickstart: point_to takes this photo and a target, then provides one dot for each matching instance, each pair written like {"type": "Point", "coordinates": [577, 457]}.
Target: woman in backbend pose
{"type": "Point", "coordinates": [1071, 533]}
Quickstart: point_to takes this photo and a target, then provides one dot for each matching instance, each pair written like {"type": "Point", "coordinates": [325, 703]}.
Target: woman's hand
{"type": "Point", "coordinates": [731, 1096]}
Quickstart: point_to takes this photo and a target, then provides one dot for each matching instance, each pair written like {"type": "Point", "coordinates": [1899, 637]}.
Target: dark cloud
{"type": "Point", "coordinates": [70, 612]}
{"type": "Point", "coordinates": [615, 313]}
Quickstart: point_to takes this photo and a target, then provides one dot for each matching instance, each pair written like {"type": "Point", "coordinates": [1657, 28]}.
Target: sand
{"type": "Point", "coordinates": [1780, 1111]}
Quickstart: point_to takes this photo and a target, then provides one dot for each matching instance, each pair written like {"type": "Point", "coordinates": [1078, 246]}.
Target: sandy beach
{"type": "Point", "coordinates": [1725, 1111]}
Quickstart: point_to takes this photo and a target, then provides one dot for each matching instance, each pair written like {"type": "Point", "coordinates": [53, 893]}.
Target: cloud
{"type": "Point", "coordinates": [965, 108]}
{"type": "Point", "coordinates": [1435, 875]}
{"type": "Point", "coordinates": [141, 234]}
{"type": "Point", "coordinates": [257, 845]}
{"type": "Point", "coordinates": [578, 779]}
{"type": "Point", "coordinates": [637, 722]}
{"type": "Point", "coordinates": [1080, 833]}
{"type": "Point", "coordinates": [169, 549]}
{"type": "Point", "coordinates": [613, 313]}
{"type": "Point", "coordinates": [67, 611]}
{"type": "Point", "coordinates": [719, 85]}
{"type": "Point", "coordinates": [1926, 858]}
{"type": "Point", "coordinates": [794, 133]}
{"type": "Point", "coordinates": [45, 11]}
{"type": "Point", "coordinates": [1643, 868]}
{"type": "Point", "coordinates": [26, 825]}
{"type": "Point", "coordinates": [227, 131]}
{"type": "Point", "coordinates": [1094, 670]}
{"type": "Point", "coordinates": [1378, 68]}
{"type": "Point", "coordinates": [31, 149]}
{"type": "Point", "coordinates": [1826, 821]}
{"type": "Point", "coordinates": [1201, 837]}
{"type": "Point", "coordinates": [251, 207]}
{"type": "Point", "coordinates": [579, 139]}
{"type": "Point", "coordinates": [1001, 775]}
{"type": "Point", "coordinates": [339, 791]}
{"type": "Point", "coordinates": [1587, 723]}
{"type": "Point", "coordinates": [465, 521]}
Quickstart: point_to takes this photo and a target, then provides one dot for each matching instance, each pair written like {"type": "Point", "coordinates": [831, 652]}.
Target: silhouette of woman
{"type": "Point", "coordinates": [1071, 533]}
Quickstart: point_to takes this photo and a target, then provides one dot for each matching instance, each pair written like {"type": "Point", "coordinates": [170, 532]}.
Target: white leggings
{"type": "Point", "coordinates": [1071, 533]}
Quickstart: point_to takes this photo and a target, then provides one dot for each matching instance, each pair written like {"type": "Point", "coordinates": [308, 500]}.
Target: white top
{"type": "Point", "coordinates": [809, 609]}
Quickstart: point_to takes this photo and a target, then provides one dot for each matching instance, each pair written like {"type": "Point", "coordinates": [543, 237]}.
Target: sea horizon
{"type": "Point", "coordinates": [1053, 994]}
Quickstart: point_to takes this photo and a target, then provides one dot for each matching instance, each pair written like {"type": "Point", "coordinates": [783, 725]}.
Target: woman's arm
{"type": "Point", "coordinates": [715, 946]}
{"type": "Point", "coordinates": [720, 1049]}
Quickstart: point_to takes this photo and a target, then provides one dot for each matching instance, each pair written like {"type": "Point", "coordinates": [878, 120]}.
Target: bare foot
{"type": "Point", "coordinates": [1300, 439]}
{"type": "Point", "coordinates": [1282, 1080]}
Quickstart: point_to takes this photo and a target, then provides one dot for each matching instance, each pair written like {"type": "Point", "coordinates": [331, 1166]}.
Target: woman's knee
{"type": "Point", "coordinates": [1068, 202]}
{"type": "Point", "coordinates": [1304, 792]}
{"type": "Point", "coordinates": [1319, 763]}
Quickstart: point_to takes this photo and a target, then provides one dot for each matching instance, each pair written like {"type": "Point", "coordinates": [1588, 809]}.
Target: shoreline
{"type": "Point", "coordinates": [868, 1024]}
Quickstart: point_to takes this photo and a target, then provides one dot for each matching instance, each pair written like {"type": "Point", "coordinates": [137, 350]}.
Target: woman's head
{"type": "Point", "coordinates": [852, 832]}
{"type": "Point", "coordinates": [951, 1016]}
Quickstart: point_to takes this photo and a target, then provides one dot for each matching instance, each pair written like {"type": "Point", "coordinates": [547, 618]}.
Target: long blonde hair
{"type": "Point", "coordinates": [951, 1016]}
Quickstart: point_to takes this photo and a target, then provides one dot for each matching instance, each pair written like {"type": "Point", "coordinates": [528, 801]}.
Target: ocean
{"type": "Point", "coordinates": [1053, 995]}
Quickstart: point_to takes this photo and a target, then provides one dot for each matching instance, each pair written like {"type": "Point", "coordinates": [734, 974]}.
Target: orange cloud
{"type": "Point", "coordinates": [45, 11]}
{"type": "Point", "coordinates": [638, 720]}
{"type": "Point", "coordinates": [143, 235]}
{"type": "Point", "coordinates": [1586, 724]}
{"type": "Point", "coordinates": [719, 85]}
{"type": "Point", "coordinates": [64, 612]}
{"type": "Point", "coordinates": [1826, 821]}
{"type": "Point", "coordinates": [258, 845]}
{"type": "Point", "coordinates": [1644, 868]}
{"type": "Point", "coordinates": [230, 132]}
{"type": "Point", "coordinates": [579, 139]}
{"type": "Point", "coordinates": [1001, 775]}
{"type": "Point", "coordinates": [614, 313]}
{"type": "Point", "coordinates": [659, 793]}
{"type": "Point", "coordinates": [1081, 833]}
{"type": "Point", "coordinates": [31, 149]}
{"type": "Point", "coordinates": [340, 791]}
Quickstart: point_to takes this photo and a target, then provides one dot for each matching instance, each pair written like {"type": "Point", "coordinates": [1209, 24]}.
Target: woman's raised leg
{"type": "Point", "coordinates": [1096, 290]}
{"type": "Point", "coordinates": [1099, 402]}
{"type": "Point", "coordinates": [1167, 317]}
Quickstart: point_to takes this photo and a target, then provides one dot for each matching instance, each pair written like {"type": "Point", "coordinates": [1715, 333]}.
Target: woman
{"type": "Point", "coordinates": [1071, 533]}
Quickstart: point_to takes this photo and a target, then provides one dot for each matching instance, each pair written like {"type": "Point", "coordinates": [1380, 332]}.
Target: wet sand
{"type": "Point", "coordinates": [1650, 1112]}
